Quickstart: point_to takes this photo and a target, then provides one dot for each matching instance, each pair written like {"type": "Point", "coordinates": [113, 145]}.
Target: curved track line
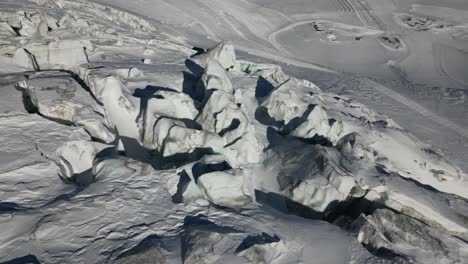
{"type": "Point", "coordinates": [273, 36]}
{"type": "Point", "coordinates": [270, 9]}
{"type": "Point", "coordinates": [205, 28]}
{"type": "Point", "coordinates": [417, 107]}
{"type": "Point", "coordinates": [343, 7]}
{"type": "Point", "coordinates": [285, 60]}
{"type": "Point", "coordinates": [437, 50]}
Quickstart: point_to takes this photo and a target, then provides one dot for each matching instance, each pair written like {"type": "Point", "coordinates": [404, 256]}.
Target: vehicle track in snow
{"type": "Point", "coordinates": [417, 107]}
{"type": "Point", "coordinates": [437, 53]}
{"type": "Point", "coordinates": [343, 6]}
{"type": "Point", "coordinates": [365, 11]}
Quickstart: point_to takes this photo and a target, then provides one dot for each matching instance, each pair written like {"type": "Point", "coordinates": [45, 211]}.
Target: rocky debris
{"type": "Point", "coordinates": [391, 41]}
{"type": "Point", "coordinates": [418, 23]}
{"type": "Point", "coordinates": [59, 97]}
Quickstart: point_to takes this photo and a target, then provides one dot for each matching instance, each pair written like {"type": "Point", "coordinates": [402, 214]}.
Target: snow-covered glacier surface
{"type": "Point", "coordinates": [119, 143]}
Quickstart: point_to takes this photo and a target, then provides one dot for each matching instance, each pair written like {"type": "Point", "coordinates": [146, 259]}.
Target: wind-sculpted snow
{"type": "Point", "coordinates": [118, 146]}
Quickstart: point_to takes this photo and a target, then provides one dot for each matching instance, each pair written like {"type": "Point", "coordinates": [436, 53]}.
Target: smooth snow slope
{"type": "Point", "coordinates": [417, 50]}
{"type": "Point", "coordinates": [119, 143]}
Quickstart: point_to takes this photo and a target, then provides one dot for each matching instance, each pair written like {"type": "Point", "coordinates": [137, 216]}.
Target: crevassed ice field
{"type": "Point", "coordinates": [233, 131]}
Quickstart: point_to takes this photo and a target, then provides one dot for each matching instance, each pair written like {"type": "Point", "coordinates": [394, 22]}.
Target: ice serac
{"type": "Point", "coordinates": [61, 54]}
{"type": "Point", "coordinates": [35, 24]}
{"type": "Point", "coordinates": [58, 96]}
{"type": "Point", "coordinates": [409, 239]}
{"type": "Point", "coordinates": [186, 140]}
{"type": "Point", "coordinates": [232, 162]}
{"type": "Point", "coordinates": [171, 137]}
{"type": "Point", "coordinates": [122, 109]}
{"type": "Point", "coordinates": [171, 104]}
{"type": "Point", "coordinates": [75, 160]}
{"type": "Point", "coordinates": [221, 115]}
{"type": "Point", "coordinates": [227, 188]}
{"type": "Point", "coordinates": [311, 176]}
{"type": "Point", "coordinates": [25, 59]}
{"type": "Point", "coordinates": [223, 53]}
{"type": "Point", "coordinates": [306, 118]}
{"type": "Point", "coordinates": [215, 77]}
{"type": "Point", "coordinates": [161, 108]}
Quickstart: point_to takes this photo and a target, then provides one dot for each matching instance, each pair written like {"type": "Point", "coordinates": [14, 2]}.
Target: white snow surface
{"type": "Point", "coordinates": [119, 143]}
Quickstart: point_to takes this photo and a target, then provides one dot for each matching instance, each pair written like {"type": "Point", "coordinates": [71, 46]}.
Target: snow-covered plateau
{"type": "Point", "coordinates": [128, 136]}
